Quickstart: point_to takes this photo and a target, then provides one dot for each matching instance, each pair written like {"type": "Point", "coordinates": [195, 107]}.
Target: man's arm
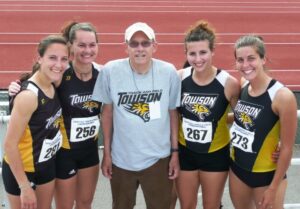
{"type": "Point", "coordinates": [174, 163]}
{"type": "Point", "coordinates": [107, 126]}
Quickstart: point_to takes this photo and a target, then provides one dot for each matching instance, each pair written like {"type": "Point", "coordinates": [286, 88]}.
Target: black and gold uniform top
{"type": "Point", "coordinates": [81, 124]}
{"type": "Point", "coordinates": [203, 111]}
{"type": "Point", "coordinates": [255, 131]}
{"type": "Point", "coordinates": [42, 137]}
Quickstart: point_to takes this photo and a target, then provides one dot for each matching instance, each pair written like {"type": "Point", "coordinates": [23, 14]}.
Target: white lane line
{"type": "Point", "coordinates": [274, 70]}
{"type": "Point", "coordinates": [231, 71]}
{"type": "Point", "coordinates": [151, 6]}
{"type": "Point", "coordinates": [158, 34]}
{"type": "Point", "coordinates": [160, 43]}
{"type": "Point", "coordinates": [157, 1]}
{"type": "Point", "coordinates": [266, 43]}
{"type": "Point", "coordinates": [14, 71]}
{"type": "Point", "coordinates": [26, 33]}
{"type": "Point", "coordinates": [162, 11]}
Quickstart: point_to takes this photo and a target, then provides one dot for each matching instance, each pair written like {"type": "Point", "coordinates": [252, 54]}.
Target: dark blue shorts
{"type": "Point", "coordinates": [252, 179]}
{"type": "Point", "coordinates": [35, 178]}
{"type": "Point", "coordinates": [69, 161]}
{"type": "Point", "coordinates": [217, 161]}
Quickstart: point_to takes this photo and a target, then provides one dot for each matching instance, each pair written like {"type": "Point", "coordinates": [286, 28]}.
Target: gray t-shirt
{"type": "Point", "coordinates": [141, 104]}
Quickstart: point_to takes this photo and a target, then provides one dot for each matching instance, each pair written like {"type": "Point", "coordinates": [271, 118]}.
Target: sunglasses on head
{"type": "Point", "coordinates": [135, 44]}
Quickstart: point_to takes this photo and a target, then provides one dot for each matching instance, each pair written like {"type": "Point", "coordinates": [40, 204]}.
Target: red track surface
{"type": "Point", "coordinates": [24, 23]}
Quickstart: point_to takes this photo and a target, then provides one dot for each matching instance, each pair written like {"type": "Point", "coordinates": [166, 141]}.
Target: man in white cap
{"type": "Point", "coordinates": [140, 95]}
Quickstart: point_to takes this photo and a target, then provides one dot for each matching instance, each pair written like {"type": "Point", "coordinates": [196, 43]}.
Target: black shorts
{"type": "Point", "coordinates": [35, 178]}
{"type": "Point", "coordinates": [217, 161]}
{"type": "Point", "coordinates": [69, 161]}
{"type": "Point", "coordinates": [253, 179]}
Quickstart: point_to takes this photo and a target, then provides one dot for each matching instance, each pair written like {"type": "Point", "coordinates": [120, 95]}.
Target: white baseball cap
{"type": "Point", "coordinates": [139, 26]}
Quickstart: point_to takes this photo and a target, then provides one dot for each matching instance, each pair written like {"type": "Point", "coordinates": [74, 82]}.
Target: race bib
{"type": "Point", "coordinates": [50, 147]}
{"type": "Point", "coordinates": [241, 138]}
{"type": "Point", "coordinates": [195, 131]}
{"type": "Point", "coordinates": [84, 128]}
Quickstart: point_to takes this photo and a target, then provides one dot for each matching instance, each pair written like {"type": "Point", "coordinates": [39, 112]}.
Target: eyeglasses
{"type": "Point", "coordinates": [135, 44]}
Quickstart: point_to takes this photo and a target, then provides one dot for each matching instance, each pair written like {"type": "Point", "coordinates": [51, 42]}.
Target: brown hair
{"type": "Point", "coordinates": [201, 31]}
{"type": "Point", "coordinates": [42, 48]}
{"type": "Point", "coordinates": [70, 28]}
{"type": "Point", "coordinates": [254, 41]}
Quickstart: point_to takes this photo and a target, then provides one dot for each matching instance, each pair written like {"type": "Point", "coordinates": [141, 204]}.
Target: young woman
{"type": "Point", "coordinates": [260, 120]}
{"type": "Point", "coordinates": [206, 95]}
{"type": "Point", "coordinates": [33, 135]}
{"type": "Point", "coordinates": [77, 163]}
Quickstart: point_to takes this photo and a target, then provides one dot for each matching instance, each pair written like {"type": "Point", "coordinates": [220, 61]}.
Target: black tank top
{"type": "Point", "coordinates": [80, 114]}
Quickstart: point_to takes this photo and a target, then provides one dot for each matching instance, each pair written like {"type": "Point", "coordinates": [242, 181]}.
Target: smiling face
{"type": "Point", "coordinates": [248, 62]}
{"type": "Point", "coordinates": [140, 55]}
{"type": "Point", "coordinates": [85, 47]}
{"type": "Point", "coordinates": [199, 55]}
{"type": "Point", "coordinates": [54, 61]}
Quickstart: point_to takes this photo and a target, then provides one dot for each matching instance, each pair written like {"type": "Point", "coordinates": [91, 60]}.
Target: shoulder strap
{"type": "Point", "coordinates": [222, 77]}
{"type": "Point", "coordinates": [186, 72]}
{"type": "Point", "coordinates": [274, 88]}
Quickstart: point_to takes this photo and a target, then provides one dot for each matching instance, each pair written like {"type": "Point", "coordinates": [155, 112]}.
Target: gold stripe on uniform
{"type": "Point", "coordinates": [221, 136]}
{"type": "Point", "coordinates": [63, 131]}
{"type": "Point", "coordinates": [264, 162]}
{"type": "Point", "coordinates": [26, 150]}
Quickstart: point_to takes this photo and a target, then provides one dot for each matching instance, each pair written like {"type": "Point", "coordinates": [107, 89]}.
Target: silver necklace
{"type": "Point", "coordinates": [134, 80]}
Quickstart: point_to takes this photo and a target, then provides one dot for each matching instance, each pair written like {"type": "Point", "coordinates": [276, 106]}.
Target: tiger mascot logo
{"type": "Point", "coordinates": [139, 109]}
{"type": "Point", "coordinates": [90, 105]}
{"type": "Point", "coordinates": [57, 122]}
{"type": "Point", "coordinates": [200, 110]}
{"type": "Point", "coordinates": [246, 120]}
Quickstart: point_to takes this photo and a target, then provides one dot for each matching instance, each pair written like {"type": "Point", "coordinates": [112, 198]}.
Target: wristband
{"type": "Point", "coordinates": [174, 150]}
{"type": "Point", "coordinates": [25, 186]}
